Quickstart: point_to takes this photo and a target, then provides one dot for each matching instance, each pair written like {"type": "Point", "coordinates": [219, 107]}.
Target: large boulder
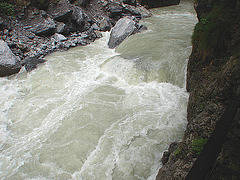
{"type": "Point", "coordinates": [82, 19]}
{"type": "Point", "coordinates": [158, 3]}
{"type": "Point", "coordinates": [131, 2]}
{"type": "Point", "coordinates": [40, 4]}
{"type": "Point", "coordinates": [32, 63]}
{"type": "Point", "coordinates": [9, 63]}
{"type": "Point", "coordinates": [39, 23]}
{"type": "Point", "coordinates": [115, 9]}
{"type": "Point", "coordinates": [60, 11]}
{"type": "Point", "coordinates": [122, 29]}
{"type": "Point", "coordinates": [82, 3]}
{"type": "Point", "coordinates": [138, 11]}
{"type": "Point", "coordinates": [42, 27]}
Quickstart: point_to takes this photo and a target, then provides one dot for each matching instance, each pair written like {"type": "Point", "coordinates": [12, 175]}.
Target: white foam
{"type": "Point", "coordinates": [92, 113]}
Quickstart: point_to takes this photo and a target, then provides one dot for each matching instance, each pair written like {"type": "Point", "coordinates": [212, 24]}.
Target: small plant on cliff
{"type": "Point", "coordinates": [7, 9]}
{"type": "Point", "coordinates": [198, 144]}
{"type": "Point", "coordinates": [178, 151]}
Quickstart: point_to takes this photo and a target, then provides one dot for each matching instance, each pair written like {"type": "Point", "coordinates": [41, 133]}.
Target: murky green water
{"type": "Point", "coordinates": [97, 113]}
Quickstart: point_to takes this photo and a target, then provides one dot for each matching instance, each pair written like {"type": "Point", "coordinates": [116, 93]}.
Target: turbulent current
{"type": "Point", "coordinates": [98, 113]}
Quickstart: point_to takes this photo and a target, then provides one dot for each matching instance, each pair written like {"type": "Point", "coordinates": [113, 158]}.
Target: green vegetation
{"type": "Point", "coordinates": [213, 30]}
{"type": "Point", "coordinates": [179, 151]}
{"type": "Point", "coordinates": [218, 28]}
{"type": "Point", "coordinates": [10, 8]}
{"type": "Point", "coordinates": [198, 144]}
{"type": "Point", "coordinates": [7, 9]}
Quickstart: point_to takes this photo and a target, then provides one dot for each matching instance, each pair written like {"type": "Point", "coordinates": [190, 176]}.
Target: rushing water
{"type": "Point", "coordinates": [97, 113]}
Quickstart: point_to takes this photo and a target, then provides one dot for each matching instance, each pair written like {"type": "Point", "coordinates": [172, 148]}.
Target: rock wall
{"type": "Point", "coordinates": [213, 77]}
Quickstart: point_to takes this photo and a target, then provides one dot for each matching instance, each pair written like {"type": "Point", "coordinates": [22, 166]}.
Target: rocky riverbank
{"type": "Point", "coordinates": [37, 29]}
{"type": "Point", "coordinates": [212, 80]}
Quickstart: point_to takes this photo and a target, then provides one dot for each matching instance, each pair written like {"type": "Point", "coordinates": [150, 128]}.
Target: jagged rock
{"type": "Point", "coordinates": [88, 20]}
{"type": "Point", "coordinates": [115, 9]}
{"type": "Point", "coordinates": [9, 63]}
{"type": "Point", "coordinates": [105, 24]}
{"type": "Point", "coordinates": [78, 16]}
{"type": "Point", "coordinates": [40, 4]}
{"type": "Point", "coordinates": [31, 63]}
{"type": "Point", "coordinates": [39, 25]}
{"type": "Point", "coordinates": [59, 37]}
{"type": "Point", "coordinates": [158, 3]}
{"type": "Point", "coordinates": [60, 27]}
{"type": "Point", "coordinates": [123, 28]}
{"type": "Point", "coordinates": [70, 27]}
{"type": "Point", "coordinates": [138, 11]}
{"type": "Point", "coordinates": [131, 2]}
{"type": "Point", "coordinates": [98, 34]}
{"type": "Point", "coordinates": [95, 27]}
{"type": "Point", "coordinates": [143, 11]}
{"type": "Point", "coordinates": [60, 11]}
{"type": "Point", "coordinates": [129, 9]}
{"type": "Point", "coordinates": [82, 3]}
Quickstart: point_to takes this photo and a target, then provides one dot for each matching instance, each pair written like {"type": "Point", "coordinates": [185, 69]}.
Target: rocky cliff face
{"type": "Point", "coordinates": [213, 77]}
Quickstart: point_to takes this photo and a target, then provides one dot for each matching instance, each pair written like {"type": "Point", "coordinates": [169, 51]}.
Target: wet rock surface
{"type": "Point", "coordinates": [122, 29]}
{"type": "Point", "coordinates": [32, 63]}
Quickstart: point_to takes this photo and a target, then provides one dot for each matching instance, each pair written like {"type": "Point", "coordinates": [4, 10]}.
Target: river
{"type": "Point", "coordinates": [99, 113]}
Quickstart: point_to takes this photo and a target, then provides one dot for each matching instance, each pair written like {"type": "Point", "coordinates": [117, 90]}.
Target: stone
{"type": "Point", "coordinates": [40, 4]}
{"type": "Point", "coordinates": [158, 3]}
{"type": "Point", "coordinates": [95, 27]}
{"type": "Point", "coordinates": [143, 11]}
{"type": "Point", "coordinates": [105, 24]}
{"type": "Point", "coordinates": [40, 26]}
{"type": "Point", "coordinates": [59, 37]}
{"type": "Point", "coordinates": [130, 2]}
{"type": "Point", "coordinates": [78, 16]}
{"type": "Point", "coordinates": [60, 11]}
{"type": "Point", "coordinates": [115, 9]}
{"type": "Point", "coordinates": [129, 9]}
{"type": "Point", "coordinates": [9, 63]}
{"type": "Point", "coordinates": [31, 63]}
{"type": "Point", "coordinates": [138, 11]}
{"type": "Point", "coordinates": [82, 2]}
{"type": "Point", "coordinates": [123, 28]}
{"type": "Point", "coordinates": [60, 27]}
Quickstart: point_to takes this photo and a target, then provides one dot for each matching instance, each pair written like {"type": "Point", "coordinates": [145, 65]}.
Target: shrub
{"type": "Point", "coordinates": [198, 144]}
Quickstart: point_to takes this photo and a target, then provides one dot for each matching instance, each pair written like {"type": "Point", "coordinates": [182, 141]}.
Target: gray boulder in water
{"type": "Point", "coordinates": [122, 29]}
{"type": "Point", "coordinates": [9, 63]}
{"type": "Point", "coordinates": [32, 63]}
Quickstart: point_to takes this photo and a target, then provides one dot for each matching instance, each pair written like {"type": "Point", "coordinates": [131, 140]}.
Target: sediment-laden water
{"type": "Point", "coordinates": [97, 113]}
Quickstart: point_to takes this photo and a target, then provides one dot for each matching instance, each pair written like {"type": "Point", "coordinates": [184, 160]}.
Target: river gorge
{"type": "Point", "coordinates": [97, 113]}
